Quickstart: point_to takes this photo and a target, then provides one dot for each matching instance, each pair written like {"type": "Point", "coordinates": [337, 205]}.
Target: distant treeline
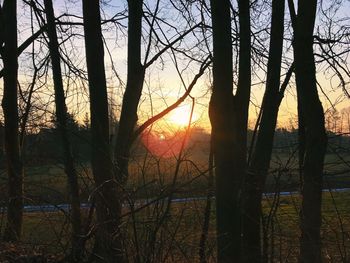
{"type": "Point", "coordinates": [45, 146]}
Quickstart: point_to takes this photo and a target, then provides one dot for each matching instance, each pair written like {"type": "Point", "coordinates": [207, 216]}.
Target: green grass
{"type": "Point", "coordinates": [149, 176]}
{"type": "Point", "coordinates": [178, 236]}
{"type": "Point", "coordinates": [335, 229]}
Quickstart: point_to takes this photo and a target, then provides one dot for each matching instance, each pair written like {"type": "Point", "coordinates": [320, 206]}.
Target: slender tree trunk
{"type": "Point", "coordinates": [108, 243]}
{"type": "Point", "coordinates": [61, 116]}
{"type": "Point", "coordinates": [228, 115]}
{"type": "Point", "coordinates": [315, 135]}
{"type": "Point", "coordinates": [301, 122]}
{"type": "Point", "coordinates": [134, 85]}
{"type": "Point", "coordinates": [10, 107]}
{"type": "Point", "coordinates": [256, 176]}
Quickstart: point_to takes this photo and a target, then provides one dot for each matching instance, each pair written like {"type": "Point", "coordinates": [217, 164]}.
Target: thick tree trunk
{"type": "Point", "coordinates": [10, 107]}
{"type": "Point", "coordinates": [228, 115]}
{"type": "Point", "coordinates": [61, 116]}
{"type": "Point", "coordinates": [315, 135]}
{"type": "Point", "coordinates": [108, 243]}
{"type": "Point", "coordinates": [134, 85]}
{"type": "Point", "coordinates": [260, 162]}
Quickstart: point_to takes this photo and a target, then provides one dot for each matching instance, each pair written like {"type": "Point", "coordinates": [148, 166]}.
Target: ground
{"type": "Point", "coordinates": [24, 253]}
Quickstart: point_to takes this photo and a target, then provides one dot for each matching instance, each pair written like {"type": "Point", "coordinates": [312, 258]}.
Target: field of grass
{"type": "Point", "coordinates": [335, 231]}
{"type": "Point", "coordinates": [176, 239]}
{"type": "Point", "coordinates": [149, 174]}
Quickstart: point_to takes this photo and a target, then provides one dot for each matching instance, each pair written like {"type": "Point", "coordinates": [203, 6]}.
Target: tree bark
{"type": "Point", "coordinates": [10, 107]}
{"type": "Point", "coordinates": [315, 134]}
{"type": "Point", "coordinates": [108, 241]}
{"type": "Point", "coordinates": [260, 162]}
{"type": "Point", "coordinates": [61, 118]}
{"type": "Point", "coordinates": [228, 115]}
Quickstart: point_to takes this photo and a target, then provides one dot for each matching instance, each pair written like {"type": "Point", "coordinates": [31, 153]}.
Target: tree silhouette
{"type": "Point", "coordinates": [314, 139]}
{"type": "Point", "coordinates": [108, 246]}
{"type": "Point", "coordinates": [10, 107]}
{"type": "Point", "coordinates": [228, 116]}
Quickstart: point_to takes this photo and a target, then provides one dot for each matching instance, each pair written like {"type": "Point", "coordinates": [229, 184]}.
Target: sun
{"type": "Point", "coordinates": [181, 115]}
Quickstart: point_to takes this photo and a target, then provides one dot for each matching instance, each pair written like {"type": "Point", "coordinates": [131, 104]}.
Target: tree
{"type": "Point", "coordinates": [62, 125]}
{"type": "Point", "coordinates": [10, 107]}
{"type": "Point", "coordinates": [108, 245]}
{"type": "Point", "coordinates": [135, 79]}
{"type": "Point", "coordinates": [134, 85]}
{"type": "Point", "coordinates": [314, 136]}
{"type": "Point", "coordinates": [261, 156]}
{"type": "Point", "coordinates": [228, 116]}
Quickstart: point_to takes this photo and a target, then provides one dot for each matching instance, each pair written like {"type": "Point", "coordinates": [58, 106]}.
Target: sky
{"type": "Point", "coordinates": [163, 84]}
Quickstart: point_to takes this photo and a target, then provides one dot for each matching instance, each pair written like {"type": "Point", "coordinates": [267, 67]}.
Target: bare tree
{"type": "Point", "coordinates": [135, 80]}
{"type": "Point", "coordinates": [134, 85]}
{"type": "Point", "coordinates": [10, 107]}
{"type": "Point", "coordinates": [108, 245]}
{"type": "Point", "coordinates": [61, 116]}
{"type": "Point", "coordinates": [314, 135]}
{"type": "Point", "coordinates": [229, 115]}
{"type": "Point", "coordinates": [261, 156]}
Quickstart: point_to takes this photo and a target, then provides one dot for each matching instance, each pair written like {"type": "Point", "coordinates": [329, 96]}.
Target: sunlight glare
{"type": "Point", "coordinates": [181, 115]}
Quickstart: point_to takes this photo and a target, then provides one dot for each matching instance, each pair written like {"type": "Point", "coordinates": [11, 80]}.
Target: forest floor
{"type": "Point", "coordinates": [25, 253]}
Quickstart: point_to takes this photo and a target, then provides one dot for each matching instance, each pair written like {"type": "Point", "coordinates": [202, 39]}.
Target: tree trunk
{"type": "Point", "coordinates": [228, 115]}
{"type": "Point", "coordinates": [61, 118]}
{"type": "Point", "coordinates": [108, 243]}
{"type": "Point", "coordinates": [256, 176]}
{"type": "Point", "coordinates": [10, 107]}
{"type": "Point", "coordinates": [134, 85]}
{"type": "Point", "coordinates": [315, 134]}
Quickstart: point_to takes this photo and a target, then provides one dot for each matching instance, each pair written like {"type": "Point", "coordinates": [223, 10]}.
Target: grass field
{"type": "Point", "coordinates": [177, 238]}
{"type": "Point", "coordinates": [149, 174]}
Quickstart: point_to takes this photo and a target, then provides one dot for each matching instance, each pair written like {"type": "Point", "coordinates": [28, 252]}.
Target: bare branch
{"type": "Point", "coordinates": [152, 60]}
{"type": "Point", "coordinates": [160, 115]}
